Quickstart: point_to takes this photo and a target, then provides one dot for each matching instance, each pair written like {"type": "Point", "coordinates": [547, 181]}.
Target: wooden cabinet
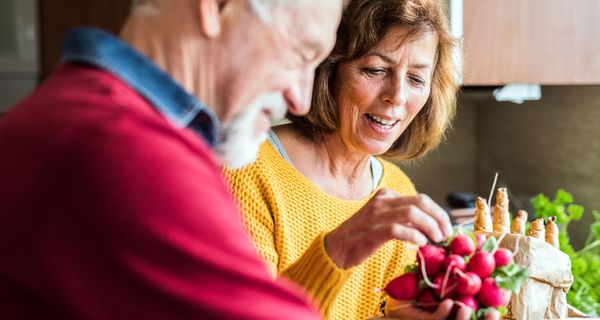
{"type": "Point", "coordinates": [551, 42]}
{"type": "Point", "coordinates": [58, 16]}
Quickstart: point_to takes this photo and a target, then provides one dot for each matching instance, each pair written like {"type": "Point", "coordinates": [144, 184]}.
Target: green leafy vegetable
{"type": "Point", "coordinates": [489, 245]}
{"type": "Point", "coordinates": [510, 277]}
{"type": "Point", "coordinates": [585, 263]}
{"type": "Point", "coordinates": [413, 267]}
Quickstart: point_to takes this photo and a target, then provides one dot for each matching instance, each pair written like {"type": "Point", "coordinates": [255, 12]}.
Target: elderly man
{"type": "Point", "coordinates": [112, 205]}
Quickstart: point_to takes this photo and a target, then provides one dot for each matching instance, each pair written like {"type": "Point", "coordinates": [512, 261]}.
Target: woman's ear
{"type": "Point", "coordinates": [209, 15]}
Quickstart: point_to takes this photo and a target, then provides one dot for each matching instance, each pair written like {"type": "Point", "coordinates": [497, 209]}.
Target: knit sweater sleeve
{"type": "Point", "coordinates": [319, 275]}
{"type": "Point", "coordinates": [254, 189]}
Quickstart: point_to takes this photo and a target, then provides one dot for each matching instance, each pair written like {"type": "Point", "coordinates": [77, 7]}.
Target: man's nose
{"type": "Point", "coordinates": [298, 95]}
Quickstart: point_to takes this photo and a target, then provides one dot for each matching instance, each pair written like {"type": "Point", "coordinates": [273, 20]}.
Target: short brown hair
{"type": "Point", "coordinates": [364, 23]}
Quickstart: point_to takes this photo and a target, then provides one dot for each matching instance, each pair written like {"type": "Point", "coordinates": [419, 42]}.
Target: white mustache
{"type": "Point", "coordinates": [238, 143]}
{"type": "Point", "coordinates": [274, 103]}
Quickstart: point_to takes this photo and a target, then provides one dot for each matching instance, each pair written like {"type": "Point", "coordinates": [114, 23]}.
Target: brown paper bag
{"type": "Point", "coordinates": [543, 295]}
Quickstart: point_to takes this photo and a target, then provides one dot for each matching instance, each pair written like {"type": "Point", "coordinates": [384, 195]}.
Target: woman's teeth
{"type": "Point", "coordinates": [382, 122]}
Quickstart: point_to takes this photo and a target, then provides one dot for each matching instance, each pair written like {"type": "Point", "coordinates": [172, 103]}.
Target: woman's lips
{"type": "Point", "coordinates": [381, 125]}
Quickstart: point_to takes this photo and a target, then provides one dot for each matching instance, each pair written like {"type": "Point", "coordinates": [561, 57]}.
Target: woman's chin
{"type": "Point", "coordinates": [377, 148]}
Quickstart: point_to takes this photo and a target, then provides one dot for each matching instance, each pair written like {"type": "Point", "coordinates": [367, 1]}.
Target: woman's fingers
{"type": "Point", "coordinates": [405, 233]}
{"type": "Point", "coordinates": [401, 309]}
{"type": "Point", "coordinates": [387, 216]}
{"type": "Point", "coordinates": [412, 216]}
{"type": "Point", "coordinates": [443, 310]}
{"type": "Point", "coordinates": [428, 206]}
{"type": "Point", "coordinates": [386, 193]}
{"type": "Point", "coordinates": [464, 313]}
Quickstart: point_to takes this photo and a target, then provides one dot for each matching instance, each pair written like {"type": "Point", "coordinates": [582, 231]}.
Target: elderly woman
{"type": "Point", "coordinates": [320, 202]}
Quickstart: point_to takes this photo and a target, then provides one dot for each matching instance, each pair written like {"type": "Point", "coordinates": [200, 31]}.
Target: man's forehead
{"type": "Point", "coordinates": [314, 23]}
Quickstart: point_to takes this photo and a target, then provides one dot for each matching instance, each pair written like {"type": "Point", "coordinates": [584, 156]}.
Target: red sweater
{"type": "Point", "coordinates": [107, 211]}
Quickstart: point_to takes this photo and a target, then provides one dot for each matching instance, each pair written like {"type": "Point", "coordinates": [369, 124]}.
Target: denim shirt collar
{"type": "Point", "coordinates": [105, 51]}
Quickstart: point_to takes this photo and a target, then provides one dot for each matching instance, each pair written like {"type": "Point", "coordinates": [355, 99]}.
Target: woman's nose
{"type": "Point", "coordinates": [395, 95]}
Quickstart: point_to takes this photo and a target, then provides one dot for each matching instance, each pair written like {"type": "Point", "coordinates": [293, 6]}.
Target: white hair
{"type": "Point", "coordinates": [238, 142]}
{"type": "Point", "coordinates": [264, 8]}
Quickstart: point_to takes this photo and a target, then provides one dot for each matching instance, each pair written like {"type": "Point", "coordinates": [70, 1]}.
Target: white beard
{"type": "Point", "coordinates": [238, 142]}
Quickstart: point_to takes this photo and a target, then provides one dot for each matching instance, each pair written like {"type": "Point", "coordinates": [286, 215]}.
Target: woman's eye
{"type": "Point", "coordinates": [417, 80]}
{"type": "Point", "coordinates": [374, 71]}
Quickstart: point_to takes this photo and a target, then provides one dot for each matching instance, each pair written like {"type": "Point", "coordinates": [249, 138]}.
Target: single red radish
{"type": "Point", "coordinates": [462, 245]}
{"type": "Point", "coordinates": [444, 290]}
{"type": "Point", "coordinates": [503, 257]}
{"type": "Point", "coordinates": [428, 301]}
{"type": "Point", "coordinates": [482, 264]}
{"type": "Point", "coordinates": [455, 261]}
{"type": "Point", "coordinates": [480, 240]}
{"type": "Point", "coordinates": [468, 283]}
{"type": "Point", "coordinates": [469, 301]}
{"type": "Point", "coordinates": [404, 287]}
{"type": "Point", "coordinates": [491, 295]}
{"type": "Point", "coordinates": [433, 258]}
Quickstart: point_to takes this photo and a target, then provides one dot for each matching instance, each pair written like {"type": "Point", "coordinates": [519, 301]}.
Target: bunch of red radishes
{"type": "Point", "coordinates": [472, 271]}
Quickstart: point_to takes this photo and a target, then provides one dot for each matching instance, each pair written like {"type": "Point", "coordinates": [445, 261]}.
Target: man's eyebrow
{"type": "Point", "coordinates": [317, 48]}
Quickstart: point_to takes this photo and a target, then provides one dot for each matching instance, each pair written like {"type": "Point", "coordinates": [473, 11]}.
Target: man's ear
{"type": "Point", "coordinates": [209, 14]}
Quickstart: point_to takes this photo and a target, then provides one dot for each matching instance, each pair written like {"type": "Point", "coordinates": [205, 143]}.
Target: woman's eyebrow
{"type": "Point", "coordinates": [390, 60]}
{"type": "Point", "coordinates": [383, 57]}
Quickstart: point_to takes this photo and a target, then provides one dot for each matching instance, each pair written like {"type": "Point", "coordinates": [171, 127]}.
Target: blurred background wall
{"type": "Point", "coordinates": [31, 33]}
{"type": "Point", "coordinates": [536, 147]}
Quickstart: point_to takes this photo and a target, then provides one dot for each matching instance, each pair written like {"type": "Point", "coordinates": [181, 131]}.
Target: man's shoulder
{"type": "Point", "coordinates": [85, 114]}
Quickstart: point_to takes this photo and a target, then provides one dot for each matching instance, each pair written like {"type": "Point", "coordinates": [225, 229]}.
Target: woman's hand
{"type": "Point", "coordinates": [399, 309]}
{"type": "Point", "coordinates": [387, 216]}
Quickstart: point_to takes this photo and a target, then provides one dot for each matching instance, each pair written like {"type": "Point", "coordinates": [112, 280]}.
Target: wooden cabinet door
{"type": "Point", "coordinates": [58, 16]}
{"type": "Point", "coordinates": [531, 41]}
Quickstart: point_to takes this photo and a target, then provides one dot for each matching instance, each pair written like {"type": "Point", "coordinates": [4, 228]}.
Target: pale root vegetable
{"type": "Point", "coordinates": [503, 257]}
{"type": "Point", "coordinates": [455, 261]}
{"type": "Point", "coordinates": [552, 232]}
{"type": "Point", "coordinates": [433, 258]}
{"type": "Point", "coordinates": [537, 229]}
{"type": "Point", "coordinates": [480, 240]}
{"type": "Point", "coordinates": [483, 219]}
{"type": "Point", "coordinates": [501, 219]}
{"type": "Point", "coordinates": [468, 284]}
{"type": "Point", "coordinates": [482, 264]}
{"type": "Point", "coordinates": [404, 287]}
{"type": "Point", "coordinates": [462, 245]}
{"type": "Point", "coordinates": [519, 223]}
{"type": "Point", "coordinates": [491, 295]}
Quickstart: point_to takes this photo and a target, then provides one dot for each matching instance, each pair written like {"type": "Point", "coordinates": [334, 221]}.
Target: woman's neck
{"type": "Point", "coordinates": [329, 163]}
{"type": "Point", "coordinates": [339, 160]}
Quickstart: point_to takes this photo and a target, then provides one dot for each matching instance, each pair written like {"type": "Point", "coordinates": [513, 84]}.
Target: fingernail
{"type": "Point", "coordinates": [439, 237]}
{"type": "Point", "coordinates": [449, 232]}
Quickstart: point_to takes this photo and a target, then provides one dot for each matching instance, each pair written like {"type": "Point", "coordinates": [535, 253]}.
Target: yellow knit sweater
{"type": "Point", "coordinates": [288, 216]}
